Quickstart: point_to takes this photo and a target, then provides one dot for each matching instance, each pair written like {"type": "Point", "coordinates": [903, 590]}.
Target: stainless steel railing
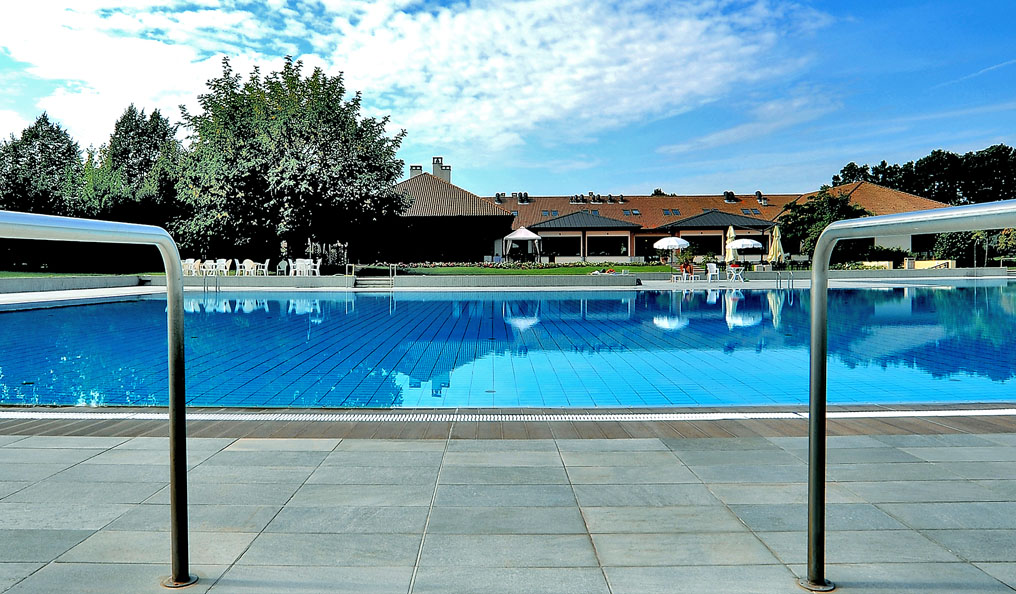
{"type": "Point", "coordinates": [994, 215]}
{"type": "Point", "coordinates": [19, 225]}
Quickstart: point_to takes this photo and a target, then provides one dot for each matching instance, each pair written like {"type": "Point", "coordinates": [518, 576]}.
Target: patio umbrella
{"type": "Point", "coordinates": [671, 243]}
{"type": "Point", "coordinates": [730, 254]}
{"type": "Point", "coordinates": [744, 244]}
{"type": "Point", "coordinates": [776, 254]}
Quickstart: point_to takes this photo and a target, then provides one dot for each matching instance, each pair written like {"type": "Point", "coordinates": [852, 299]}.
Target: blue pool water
{"type": "Point", "coordinates": [528, 349]}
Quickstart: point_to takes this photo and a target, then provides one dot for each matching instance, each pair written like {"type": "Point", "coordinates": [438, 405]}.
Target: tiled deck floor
{"type": "Point", "coordinates": [907, 513]}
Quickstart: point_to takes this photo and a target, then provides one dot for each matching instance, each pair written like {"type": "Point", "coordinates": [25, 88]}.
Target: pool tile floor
{"type": "Point", "coordinates": [906, 513]}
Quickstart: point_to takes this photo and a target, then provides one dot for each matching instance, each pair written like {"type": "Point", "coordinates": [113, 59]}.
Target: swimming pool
{"type": "Point", "coordinates": [517, 349]}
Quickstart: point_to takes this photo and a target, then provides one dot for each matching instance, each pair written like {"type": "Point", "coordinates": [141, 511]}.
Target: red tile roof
{"type": "Point", "coordinates": [434, 197]}
{"type": "Point", "coordinates": [877, 199]}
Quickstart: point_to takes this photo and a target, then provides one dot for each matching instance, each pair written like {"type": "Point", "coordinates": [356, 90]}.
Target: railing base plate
{"type": "Point", "coordinates": [824, 586]}
{"type": "Point", "coordinates": [169, 582]}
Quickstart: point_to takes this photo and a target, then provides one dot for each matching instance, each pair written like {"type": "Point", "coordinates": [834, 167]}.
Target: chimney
{"type": "Point", "coordinates": [415, 170]}
{"type": "Point", "coordinates": [762, 200]}
{"type": "Point", "coordinates": [438, 161]}
{"type": "Point", "coordinates": [446, 173]}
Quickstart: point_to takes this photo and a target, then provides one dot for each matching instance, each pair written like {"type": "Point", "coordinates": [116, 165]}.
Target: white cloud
{"type": "Point", "coordinates": [11, 122]}
{"type": "Point", "coordinates": [485, 74]}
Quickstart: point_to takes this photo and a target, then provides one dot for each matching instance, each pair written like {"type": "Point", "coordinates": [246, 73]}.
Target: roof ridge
{"type": "Point", "coordinates": [900, 191]}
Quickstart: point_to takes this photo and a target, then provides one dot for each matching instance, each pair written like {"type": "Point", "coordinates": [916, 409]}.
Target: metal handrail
{"type": "Point", "coordinates": [19, 225]}
{"type": "Point", "coordinates": [350, 274]}
{"type": "Point", "coordinates": [994, 215]}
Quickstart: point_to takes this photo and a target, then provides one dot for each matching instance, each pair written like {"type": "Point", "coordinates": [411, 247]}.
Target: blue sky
{"type": "Point", "coordinates": [561, 96]}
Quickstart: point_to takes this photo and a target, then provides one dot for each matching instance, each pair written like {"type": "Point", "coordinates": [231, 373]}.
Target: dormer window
{"type": "Point", "coordinates": [666, 212]}
{"type": "Point", "coordinates": [635, 212]}
{"type": "Point", "coordinates": [746, 211]}
{"type": "Point", "coordinates": [627, 213]}
{"type": "Point", "coordinates": [756, 211]}
{"type": "Point", "coordinates": [595, 212]}
{"type": "Point", "coordinates": [545, 213]}
{"type": "Point", "coordinates": [553, 213]}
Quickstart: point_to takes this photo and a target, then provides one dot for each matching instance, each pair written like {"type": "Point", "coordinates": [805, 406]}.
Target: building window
{"type": "Point", "coordinates": [545, 213]}
{"type": "Point", "coordinates": [515, 213]}
{"type": "Point", "coordinates": [635, 212]}
{"type": "Point", "coordinates": [745, 211]}
{"type": "Point", "coordinates": [756, 211]}
{"type": "Point", "coordinates": [666, 211]}
{"type": "Point", "coordinates": [675, 212]}
{"type": "Point", "coordinates": [595, 212]}
{"type": "Point", "coordinates": [553, 213]}
{"type": "Point", "coordinates": [627, 213]}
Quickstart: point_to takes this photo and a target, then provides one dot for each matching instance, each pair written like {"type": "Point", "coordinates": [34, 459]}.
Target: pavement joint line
{"type": "Point", "coordinates": [347, 417]}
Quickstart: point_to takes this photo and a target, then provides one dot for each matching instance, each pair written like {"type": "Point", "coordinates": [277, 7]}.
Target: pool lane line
{"type": "Point", "coordinates": [348, 417]}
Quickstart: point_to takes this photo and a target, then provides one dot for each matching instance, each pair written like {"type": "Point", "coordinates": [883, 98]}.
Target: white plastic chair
{"type": "Point", "coordinates": [260, 268]}
{"type": "Point", "coordinates": [282, 268]}
{"type": "Point", "coordinates": [188, 267]}
{"type": "Point", "coordinates": [314, 268]}
{"type": "Point", "coordinates": [712, 272]}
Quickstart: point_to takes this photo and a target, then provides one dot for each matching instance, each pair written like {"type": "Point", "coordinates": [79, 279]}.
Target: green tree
{"type": "Point", "coordinates": [804, 221]}
{"type": "Point", "coordinates": [133, 177]}
{"type": "Point", "coordinates": [959, 246]}
{"type": "Point", "coordinates": [39, 170]}
{"type": "Point", "coordinates": [285, 157]}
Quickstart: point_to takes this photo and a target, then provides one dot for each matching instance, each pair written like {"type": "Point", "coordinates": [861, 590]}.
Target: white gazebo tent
{"type": "Point", "coordinates": [522, 234]}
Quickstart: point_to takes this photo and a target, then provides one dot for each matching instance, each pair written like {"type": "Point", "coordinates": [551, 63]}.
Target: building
{"type": "Point", "coordinates": [449, 223]}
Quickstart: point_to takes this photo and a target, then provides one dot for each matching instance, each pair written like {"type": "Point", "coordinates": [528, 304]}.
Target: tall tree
{"type": "Point", "coordinates": [133, 177]}
{"type": "Point", "coordinates": [285, 157]}
{"type": "Point", "coordinates": [804, 221]}
{"type": "Point", "coordinates": [39, 170]}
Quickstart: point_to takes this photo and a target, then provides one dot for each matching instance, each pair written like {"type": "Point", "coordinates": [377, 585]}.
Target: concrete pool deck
{"type": "Point", "coordinates": [921, 504]}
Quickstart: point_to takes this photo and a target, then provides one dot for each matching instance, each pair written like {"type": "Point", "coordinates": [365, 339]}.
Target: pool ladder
{"type": "Point", "coordinates": [790, 279]}
{"type": "Point", "coordinates": [204, 283]}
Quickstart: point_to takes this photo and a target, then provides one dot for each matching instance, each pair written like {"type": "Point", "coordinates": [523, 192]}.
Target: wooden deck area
{"type": "Point", "coordinates": [469, 429]}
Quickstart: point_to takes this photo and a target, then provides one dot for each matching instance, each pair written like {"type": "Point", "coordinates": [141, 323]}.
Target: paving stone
{"type": "Point", "coordinates": [271, 458]}
{"type": "Point", "coordinates": [232, 494]}
{"type": "Point", "coordinates": [112, 578]}
{"type": "Point", "coordinates": [48, 491]}
{"type": "Point", "coordinates": [346, 550]}
{"type": "Point", "coordinates": [703, 579]}
{"type": "Point", "coordinates": [866, 455]}
{"type": "Point", "coordinates": [981, 470]}
{"type": "Point", "coordinates": [350, 519]}
{"type": "Point", "coordinates": [913, 578]}
{"type": "Point", "coordinates": [652, 458]}
{"type": "Point", "coordinates": [911, 471]}
{"type": "Point", "coordinates": [59, 516]}
{"type": "Point", "coordinates": [6, 440]}
{"type": "Point", "coordinates": [1003, 572]}
{"type": "Point", "coordinates": [504, 495]}
{"type": "Point", "coordinates": [268, 444]}
{"type": "Point", "coordinates": [384, 458]}
{"type": "Point", "coordinates": [523, 580]}
{"type": "Point", "coordinates": [507, 550]}
{"type": "Point", "coordinates": [391, 445]}
{"type": "Point", "coordinates": [510, 475]}
{"type": "Point", "coordinates": [628, 475]}
{"type": "Point", "coordinates": [925, 441]}
{"type": "Point", "coordinates": [141, 456]}
{"type": "Point", "coordinates": [33, 545]}
{"type": "Point", "coordinates": [705, 548]}
{"type": "Point", "coordinates": [978, 545]}
{"type": "Point", "coordinates": [506, 520]}
{"type": "Point", "coordinates": [200, 518]}
{"type": "Point", "coordinates": [115, 473]}
{"type": "Point", "coordinates": [1008, 439]}
{"type": "Point", "coordinates": [922, 491]}
{"type": "Point", "coordinates": [968, 454]}
{"type": "Point", "coordinates": [779, 493]}
{"type": "Point", "coordinates": [266, 579]}
{"type": "Point", "coordinates": [30, 472]}
{"type": "Point", "coordinates": [678, 519]}
{"type": "Point", "coordinates": [208, 548]}
{"type": "Point", "coordinates": [362, 495]}
{"type": "Point", "coordinates": [8, 487]}
{"type": "Point", "coordinates": [854, 442]}
{"type": "Point", "coordinates": [12, 573]}
{"type": "Point", "coordinates": [68, 441]}
{"type": "Point", "coordinates": [782, 517]}
{"type": "Point", "coordinates": [737, 457]}
{"type": "Point", "coordinates": [643, 495]}
{"type": "Point", "coordinates": [726, 444]}
{"type": "Point", "coordinates": [512, 458]}
{"type": "Point", "coordinates": [374, 475]}
{"type": "Point", "coordinates": [503, 445]}
{"type": "Point", "coordinates": [202, 444]}
{"type": "Point", "coordinates": [611, 445]}
{"type": "Point", "coordinates": [1006, 489]}
{"type": "Point", "coordinates": [737, 473]}
{"type": "Point", "coordinates": [888, 546]}
{"type": "Point", "coordinates": [247, 474]}
{"type": "Point", "coordinates": [946, 515]}
{"type": "Point", "coordinates": [65, 456]}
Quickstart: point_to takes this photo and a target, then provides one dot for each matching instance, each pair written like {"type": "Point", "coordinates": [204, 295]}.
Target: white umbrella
{"type": "Point", "coordinates": [730, 253]}
{"type": "Point", "coordinates": [744, 244]}
{"type": "Point", "coordinates": [522, 234]}
{"type": "Point", "coordinates": [776, 254]}
{"type": "Point", "coordinates": [671, 243]}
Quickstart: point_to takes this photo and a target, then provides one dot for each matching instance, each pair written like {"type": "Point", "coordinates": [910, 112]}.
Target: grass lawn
{"type": "Point", "coordinates": [562, 270]}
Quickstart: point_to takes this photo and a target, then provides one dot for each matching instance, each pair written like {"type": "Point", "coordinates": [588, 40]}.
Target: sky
{"type": "Point", "coordinates": [558, 97]}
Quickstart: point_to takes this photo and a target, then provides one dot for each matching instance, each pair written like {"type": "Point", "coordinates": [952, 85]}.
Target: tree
{"type": "Point", "coordinates": [133, 177]}
{"type": "Point", "coordinates": [852, 172]}
{"type": "Point", "coordinates": [285, 157]}
{"type": "Point", "coordinates": [658, 192]}
{"type": "Point", "coordinates": [40, 170]}
{"type": "Point", "coordinates": [989, 174]}
{"type": "Point", "coordinates": [803, 222]}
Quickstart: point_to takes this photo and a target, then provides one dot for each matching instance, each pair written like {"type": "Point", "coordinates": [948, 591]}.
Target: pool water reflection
{"type": "Point", "coordinates": [529, 349]}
